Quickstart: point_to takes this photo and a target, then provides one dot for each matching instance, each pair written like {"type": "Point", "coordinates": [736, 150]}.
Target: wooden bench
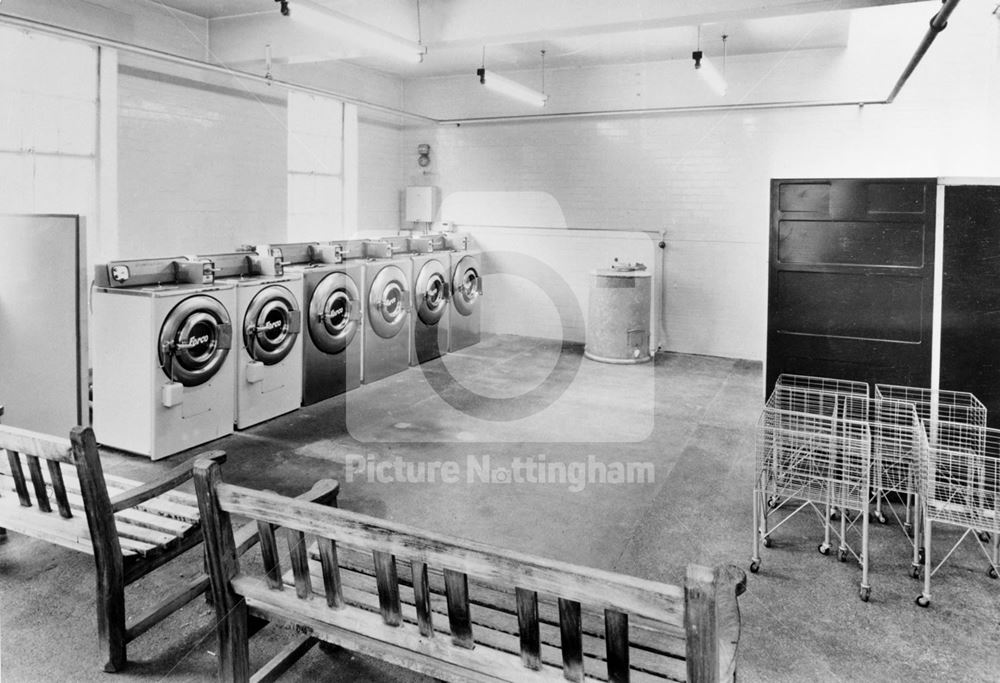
{"type": "Point", "coordinates": [131, 528]}
{"type": "Point", "coordinates": [453, 609]}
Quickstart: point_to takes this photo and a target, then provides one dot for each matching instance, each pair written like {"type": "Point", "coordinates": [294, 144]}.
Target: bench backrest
{"type": "Point", "coordinates": [25, 447]}
{"type": "Point", "coordinates": [693, 612]}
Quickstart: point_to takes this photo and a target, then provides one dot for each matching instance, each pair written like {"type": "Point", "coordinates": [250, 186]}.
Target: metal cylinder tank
{"type": "Point", "coordinates": [618, 322]}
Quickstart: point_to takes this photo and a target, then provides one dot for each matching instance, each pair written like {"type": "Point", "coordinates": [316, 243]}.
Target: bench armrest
{"type": "Point", "coordinates": [165, 482]}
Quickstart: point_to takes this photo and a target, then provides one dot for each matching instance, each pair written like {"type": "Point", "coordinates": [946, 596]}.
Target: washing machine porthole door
{"type": "Point", "coordinates": [334, 313]}
{"type": "Point", "coordinates": [467, 285]}
{"type": "Point", "coordinates": [388, 302]}
{"type": "Point", "coordinates": [194, 340]}
{"type": "Point", "coordinates": [271, 325]}
{"type": "Point", "coordinates": [431, 292]}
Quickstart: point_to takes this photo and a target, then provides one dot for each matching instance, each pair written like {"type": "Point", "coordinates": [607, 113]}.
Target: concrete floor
{"type": "Point", "coordinates": [691, 417]}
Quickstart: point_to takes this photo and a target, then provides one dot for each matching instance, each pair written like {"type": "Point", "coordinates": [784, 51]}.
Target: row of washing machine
{"type": "Point", "coordinates": [287, 325]}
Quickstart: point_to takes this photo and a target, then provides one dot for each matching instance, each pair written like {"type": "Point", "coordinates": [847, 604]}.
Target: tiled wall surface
{"type": "Point", "coordinates": [703, 178]}
{"type": "Point", "coordinates": [380, 176]}
{"type": "Point", "coordinates": [48, 133]}
{"type": "Point", "coordinates": [202, 166]}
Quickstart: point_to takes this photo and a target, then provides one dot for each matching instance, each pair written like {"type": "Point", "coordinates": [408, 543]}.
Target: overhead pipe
{"type": "Point", "coordinates": [938, 23]}
{"type": "Point", "coordinates": [51, 29]}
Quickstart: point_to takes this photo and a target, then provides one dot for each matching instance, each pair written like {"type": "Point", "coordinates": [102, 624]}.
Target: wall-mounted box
{"type": "Point", "coordinates": [421, 203]}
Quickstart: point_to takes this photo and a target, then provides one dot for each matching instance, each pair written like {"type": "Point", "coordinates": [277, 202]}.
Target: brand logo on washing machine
{"type": "Point", "coordinates": [195, 341]}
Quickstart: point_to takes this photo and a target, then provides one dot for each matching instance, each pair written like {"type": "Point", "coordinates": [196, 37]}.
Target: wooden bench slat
{"type": "Point", "coordinates": [359, 592]}
{"type": "Point", "coordinates": [134, 517]}
{"type": "Point", "coordinates": [388, 588]}
{"type": "Point", "coordinates": [422, 599]}
{"type": "Point", "coordinates": [18, 476]}
{"type": "Point", "coordinates": [363, 631]}
{"type": "Point", "coordinates": [571, 640]}
{"type": "Point", "coordinates": [498, 620]}
{"type": "Point", "coordinates": [59, 488]}
{"type": "Point", "coordinates": [160, 506]}
{"type": "Point", "coordinates": [70, 533]}
{"type": "Point", "coordinates": [284, 660]}
{"type": "Point", "coordinates": [601, 589]}
{"type": "Point", "coordinates": [527, 622]}
{"type": "Point", "coordinates": [456, 589]}
{"type": "Point", "coordinates": [655, 636]}
{"type": "Point", "coordinates": [331, 572]}
{"type": "Point", "coordinates": [269, 555]}
{"type": "Point", "coordinates": [41, 494]}
{"type": "Point", "coordinates": [300, 563]}
{"type": "Point", "coordinates": [616, 637]}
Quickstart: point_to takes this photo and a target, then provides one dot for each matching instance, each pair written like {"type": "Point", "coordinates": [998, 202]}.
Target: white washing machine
{"type": "Point", "coordinates": [465, 312]}
{"type": "Point", "coordinates": [431, 287]}
{"type": "Point", "coordinates": [388, 303]}
{"type": "Point", "coordinates": [163, 371]}
{"type": "Point", "coordinates": [332, 317]}
{"type": "Point", "coordinates": [268, 325]}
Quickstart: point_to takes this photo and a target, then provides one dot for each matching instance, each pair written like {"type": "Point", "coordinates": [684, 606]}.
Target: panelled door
{"type": "Point", "coordinates": [850, 286]}
{"type": "Point", "coordinates": [970, 295]}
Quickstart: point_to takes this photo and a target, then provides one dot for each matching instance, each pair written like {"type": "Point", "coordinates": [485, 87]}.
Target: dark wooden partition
{"type": "Point", "coordinates": [850, 286]}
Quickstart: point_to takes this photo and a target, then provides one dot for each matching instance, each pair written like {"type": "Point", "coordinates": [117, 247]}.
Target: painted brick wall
{"type": "Point", "coordinates": [202, 163]}
{"type": "Point", "coordinates": [380, 175]}
{"type": "Point", "coordinates": [703, 178]}
{"type": "Point", "coordinates": [48, 114]}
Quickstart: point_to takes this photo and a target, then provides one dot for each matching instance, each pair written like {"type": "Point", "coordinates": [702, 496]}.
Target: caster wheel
{"type": "Point", "coordinates": [833, 514]}
{"type": "Point", "coordinates": [993, 573]}
{"type": "Point", "coordinates": [842, 555]}
{"type": "Point", "coordinates": [755, 566]}
{"type": "Point", "coordinates": [984, 536]}
{"type": "Point", "coordinates": [823, 549]}
{"type": "Point", "coordinates": [772, 502]}
{"type": "Point", "coordinates": [922, 601]}
{"type": "Point", "coordinates": [915, 572]}
{"type": "Point", "coordinates": [865, 594]}
{"type": "Point", "coordinates": [880, 518]}
{"type": "Point", "coordinates": [766, 541]}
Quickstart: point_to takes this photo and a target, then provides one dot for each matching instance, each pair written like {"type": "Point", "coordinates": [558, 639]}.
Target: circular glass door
{"type": "Point", "coordinates": [271, 325]}
{"type": "Point", "coordinates": [388, 302]}
{"type": "Point", "coordinates": [466, 285]}
{"type": "Point", "coordinates": [334, 313]}
{"type": "Point", "coordinates": [431, 292]}
{"type": "Point", "coordinates": [194, 340]}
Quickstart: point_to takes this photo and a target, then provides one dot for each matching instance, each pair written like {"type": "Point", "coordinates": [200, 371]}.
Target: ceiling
{"type": "Point", "coordinates": [573, 33]}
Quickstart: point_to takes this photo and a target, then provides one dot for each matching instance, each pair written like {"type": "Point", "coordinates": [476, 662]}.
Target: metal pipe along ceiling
{"type": "Point", "coordinates": [937, 24]}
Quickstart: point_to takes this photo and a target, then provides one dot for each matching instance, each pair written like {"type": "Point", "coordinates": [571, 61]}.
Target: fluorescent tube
{"type": "Point", "coordinates": [513, 89]}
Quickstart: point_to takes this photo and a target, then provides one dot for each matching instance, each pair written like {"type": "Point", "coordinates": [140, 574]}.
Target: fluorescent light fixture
{"type": "Point", "coordinates": [357, 32]}
{"type": "Point", "coordinates": [512, 89]}
{"type": "Point", "coordinates": [713, 78]}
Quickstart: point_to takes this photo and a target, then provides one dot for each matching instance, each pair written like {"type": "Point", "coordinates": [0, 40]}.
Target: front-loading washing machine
{"type": "Point", "coordinates": [465, 312]}
{"type": "Point", "coordinates": [387, 292]}
{"type": "Point", "coordinates": [267, 334]}
{"type": "Point", "coordinates": [431, 289]}
{"type": "Point", "coordinates": [163, 371]}
{"type": "Point", "coordinates": [332, 313]}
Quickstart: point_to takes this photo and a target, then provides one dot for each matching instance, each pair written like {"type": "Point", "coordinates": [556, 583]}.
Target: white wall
{"type": "Point", "coordinates": [202, 162]}
{"type": "Point", "coordinates": [48, 127]}
{"type": "Point", "coordinates": [704, 178]}
{"type": "Point", "coordinates": [381, 154]}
